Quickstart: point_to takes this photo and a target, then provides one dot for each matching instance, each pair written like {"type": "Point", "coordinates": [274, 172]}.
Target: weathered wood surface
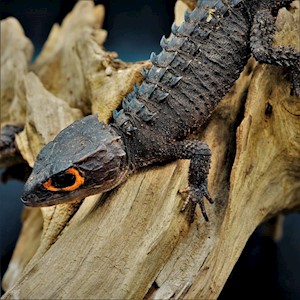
{"type": "Point", "coordinates": [133, 242]}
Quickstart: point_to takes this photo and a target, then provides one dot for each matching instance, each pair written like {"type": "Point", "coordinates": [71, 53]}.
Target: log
{"type": "Point", "coordinates": [133, 242]}
{"type": "Point", "coordinates": [16, 52]}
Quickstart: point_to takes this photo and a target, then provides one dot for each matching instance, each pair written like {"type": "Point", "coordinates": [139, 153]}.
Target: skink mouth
{"type": "Point", "coordinates": [29, 200]}
{"type": "Point", "coordinates": [32, 200]}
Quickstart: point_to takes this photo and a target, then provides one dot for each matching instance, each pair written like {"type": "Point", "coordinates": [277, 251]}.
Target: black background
{"type": "Point", "coordinates": [265, 269]}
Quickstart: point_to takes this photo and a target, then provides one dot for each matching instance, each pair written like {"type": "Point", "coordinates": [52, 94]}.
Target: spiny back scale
{"type": "Point", "coordinates": [195, 69]}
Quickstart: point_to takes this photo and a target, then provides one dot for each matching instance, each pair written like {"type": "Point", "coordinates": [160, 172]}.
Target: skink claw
{"type": "Point", "coordinates": [195, 196]}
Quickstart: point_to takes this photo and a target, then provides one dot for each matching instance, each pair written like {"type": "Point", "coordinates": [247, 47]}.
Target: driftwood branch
{"type": "Point", "coordinates": [133, 242]}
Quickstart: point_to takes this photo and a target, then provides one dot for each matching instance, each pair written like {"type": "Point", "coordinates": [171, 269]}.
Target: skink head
{"type": "Point", "coordinates": [85, 158]}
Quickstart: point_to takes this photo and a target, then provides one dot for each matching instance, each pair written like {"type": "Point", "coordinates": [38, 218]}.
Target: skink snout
{"type": "Point", "coordinates": [28, 199]}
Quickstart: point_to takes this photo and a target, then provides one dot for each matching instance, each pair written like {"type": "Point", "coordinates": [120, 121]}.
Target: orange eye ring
{"type": "Point", "coordinates": [79, 180]}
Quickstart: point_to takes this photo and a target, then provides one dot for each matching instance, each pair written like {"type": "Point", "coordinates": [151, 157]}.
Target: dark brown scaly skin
{"type": "Point", "coordinates": [9, 153]}
{"type": "Point", "coordinates": [7, 140]}
{"type": "Point", "coordinates": [195, 69]}
{"type": "Point", "coordinates": [87, 145]}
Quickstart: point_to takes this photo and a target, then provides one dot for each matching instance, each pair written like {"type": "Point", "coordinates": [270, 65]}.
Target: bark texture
{"type": "Point", "coordinates": [133, 242]}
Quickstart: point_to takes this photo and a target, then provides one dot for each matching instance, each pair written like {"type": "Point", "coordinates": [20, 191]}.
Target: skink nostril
{"type": "Point", "coordinates": [27, 198]}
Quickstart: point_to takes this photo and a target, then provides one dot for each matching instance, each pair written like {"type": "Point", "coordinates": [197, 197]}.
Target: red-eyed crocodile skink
{"type": "Point", "coordinates": [188, 78]}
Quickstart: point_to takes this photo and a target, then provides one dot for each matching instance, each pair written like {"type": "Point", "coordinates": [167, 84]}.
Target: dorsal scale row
{"type": "Point", "coordinates": [179, 53]}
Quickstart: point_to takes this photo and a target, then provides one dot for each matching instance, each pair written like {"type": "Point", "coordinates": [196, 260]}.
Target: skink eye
{"type": "Point", "coordinates": [63, 180]}
{"type": "Point", "coordinates": [70, 180]}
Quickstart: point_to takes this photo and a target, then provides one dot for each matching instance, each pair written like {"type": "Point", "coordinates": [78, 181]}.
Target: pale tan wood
{"type": "Point", "coordinates": [60, 65]}
{"type": "Point", "coordinates": [191, 4]}
{"type": "Point", "coordinates": [133, 242]}
{"type": "Point", "coordinates": [29, 239]}
{"type": "Point", "coordinates": [16, 52]}
{"type": "Point", "coordinates": [46, 115]}
{"type": "Point", "coordinates": [74, 67]}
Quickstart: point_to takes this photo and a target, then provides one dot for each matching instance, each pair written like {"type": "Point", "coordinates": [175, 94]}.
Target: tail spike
{"type": "Point", "coordinates": [115, 114]}
{"type": "Point", "coordinates": [161, 96]}
{"type": "Point", "coordinates": [187, 16]}
{"type": "Point", "coordinates": [175, 80]}
{"type": "Point", "coordinates": [153, 57]}
{"type": "Point", "coordinates": [174, 29]}
{"type": "Point", "coordinates": [144, 72]}
{"type": "Point", "coordinates": [163, 42]}
{"type": "Point", "coordinates": [136, 89]}
{"type": "Point", "coordinates": [125, 104]}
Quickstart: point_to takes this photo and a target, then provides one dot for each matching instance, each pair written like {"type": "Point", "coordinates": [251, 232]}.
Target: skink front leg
{"type": "Point", "coordinates": [199, 154]}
